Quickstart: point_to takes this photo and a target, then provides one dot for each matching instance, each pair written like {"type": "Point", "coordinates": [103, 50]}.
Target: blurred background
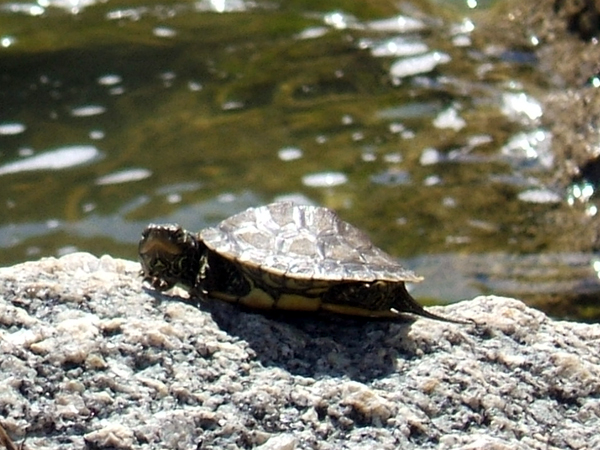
{"type": "Point", "coordinates": [115, 114]}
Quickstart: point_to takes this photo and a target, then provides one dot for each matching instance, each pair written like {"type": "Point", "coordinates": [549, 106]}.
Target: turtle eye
{"type": "Point", "coordinates": [179, 234]}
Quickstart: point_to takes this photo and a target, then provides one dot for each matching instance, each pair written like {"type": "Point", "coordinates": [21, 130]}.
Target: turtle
{"type": "Point", "coordinates": [281, 256]}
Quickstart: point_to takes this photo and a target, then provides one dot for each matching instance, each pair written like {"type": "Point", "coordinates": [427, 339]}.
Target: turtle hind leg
{"type": "Point", "coordinates": [403, 302]}
{"type": "Point", "coordinates": [379, 299]}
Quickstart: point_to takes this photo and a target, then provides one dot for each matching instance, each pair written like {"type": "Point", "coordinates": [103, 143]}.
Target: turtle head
{"type": "Point", "coordinates": [170, 255]}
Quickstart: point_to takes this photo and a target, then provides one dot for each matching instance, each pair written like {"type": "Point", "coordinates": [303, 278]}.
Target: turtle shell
{"type": "Point", "coordinates": [303, 243]}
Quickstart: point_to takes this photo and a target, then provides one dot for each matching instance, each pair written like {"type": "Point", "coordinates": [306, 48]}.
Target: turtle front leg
{"type": "Point", "coordinates": [156, 282]}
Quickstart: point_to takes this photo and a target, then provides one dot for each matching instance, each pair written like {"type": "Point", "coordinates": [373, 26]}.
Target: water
{"type": "Point", "coordinates": [116, 116]}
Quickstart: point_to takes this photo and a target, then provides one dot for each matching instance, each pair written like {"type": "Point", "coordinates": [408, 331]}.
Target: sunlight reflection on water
{"type": "Point", "coordinates": [61, 158]}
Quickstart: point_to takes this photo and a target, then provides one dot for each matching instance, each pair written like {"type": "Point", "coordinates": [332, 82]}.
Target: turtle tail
{"type": "Point", "coordinates": [405, 303]}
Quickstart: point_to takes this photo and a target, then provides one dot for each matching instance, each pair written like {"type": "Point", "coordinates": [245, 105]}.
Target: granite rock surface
{"type": "Point", "coordinates": [89, 359]}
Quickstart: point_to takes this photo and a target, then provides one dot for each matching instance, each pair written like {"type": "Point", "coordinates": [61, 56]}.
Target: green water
{"type": "Point", "coordinates": [143, 112]}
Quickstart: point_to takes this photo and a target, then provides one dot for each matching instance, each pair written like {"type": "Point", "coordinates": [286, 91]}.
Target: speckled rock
{"type": "Point", "coordinates": [88, 359]}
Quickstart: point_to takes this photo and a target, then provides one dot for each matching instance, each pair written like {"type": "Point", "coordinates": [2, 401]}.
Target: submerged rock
{"type": "Point", "coordinates": [87, 357]}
